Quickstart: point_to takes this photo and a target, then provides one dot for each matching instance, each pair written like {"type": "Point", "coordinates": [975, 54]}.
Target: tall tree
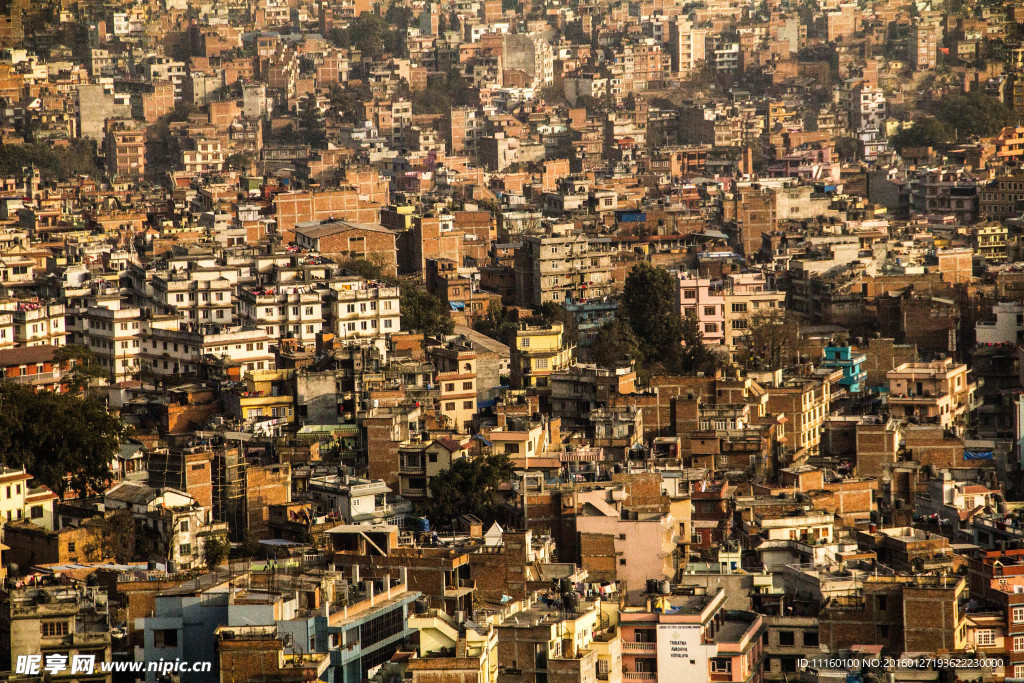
{"type": "Point", "coordinates": [64, 441]}
{"type": "Point", "coordinates": [424, 312]}
{"type": "Point", "coordinates": [650, 306]}
{"type": "Point", "coordinates": [771, 339]}
{"type": "Point", "coordinates": [615, 341]}
{"type": "Point", "coordinates": [470, 486]}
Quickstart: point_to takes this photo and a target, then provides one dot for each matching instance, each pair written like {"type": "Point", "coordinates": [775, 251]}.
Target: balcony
{"type": "Point", "coordinates": [639, 647]}
{"type": "Point", "coordinates": [37, 378]}
{"type": "Point", "coordinates": [640, 676]}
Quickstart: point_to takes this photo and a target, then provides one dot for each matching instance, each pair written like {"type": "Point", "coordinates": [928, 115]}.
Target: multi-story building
{"type": "Point", "coordinates": [901, 613]}
{"type": "Point", "coordinates": [350, 499]}
{"type": "Point", "coordinates": [938, 392]}
{"type": "Point", "coordinates": [193, 300]}
{"type": "Point", "coordinates": [177, 349]}
{"type": "Point", "coordinates": [723, 307]}
{"type": "Point", "coordinates": [283, 312]}
{"type": "Point", "coordinates": [538, 352]}
{"type": "Point", "coordinates": [39, 322]}
{"type": "Point", "coordinates": [561, 268]}
{"type": "Point", "coordinates": [867, 108]}
{"type": "Point", "coordinates": [540, 643]}
{"type": "Point", "coordinates": [686, 45]}
{"type": "Point", "coordinates": [363, 310]}
{"type": "Point", "coordinates": [455, 361]}
{"type": "Point", "coordinates": [113, 332]}
{"type": "Point", "coordinates": [18, 500]}
{"type": "Point", "coordinates": [680, 634]}
{"type": "Point", "coordinates": [844, 358]}
{"type": "Point", "coordinates": [806, 402]}
{"type": "Point", "coordinates": [125, 148]}
{"type": "Point", "coordinates": [57, 620]}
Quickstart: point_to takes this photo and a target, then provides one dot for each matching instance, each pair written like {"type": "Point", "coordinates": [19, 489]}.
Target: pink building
{"type": "Point", "coordinates": [689, 637]}
{"type": "Point", "coordinates": [703, 298]}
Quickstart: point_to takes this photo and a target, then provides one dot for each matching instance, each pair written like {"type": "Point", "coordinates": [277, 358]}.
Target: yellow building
{"type": "Point", "coordinates": [539, 351]}
{"type": "Point", "coordinates": [266, 396]}
{"type": "Point", "coordinates": [444, 651]}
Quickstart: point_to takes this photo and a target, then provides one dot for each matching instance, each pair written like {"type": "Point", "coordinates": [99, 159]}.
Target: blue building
{"type": "Point", "coordinates": [843, 357]}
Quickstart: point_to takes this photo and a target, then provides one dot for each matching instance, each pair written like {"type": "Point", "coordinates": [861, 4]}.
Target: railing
{"type": "Point", "coordinates": [39, 377]}
{"type": "Point", "coordinates": [639, 647]}
{"type": "Point", "coordinates": [639, 676]}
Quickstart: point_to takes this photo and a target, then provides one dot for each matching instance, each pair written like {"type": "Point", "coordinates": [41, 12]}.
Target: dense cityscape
{"type": "Point", "coordinates": [512, 341]}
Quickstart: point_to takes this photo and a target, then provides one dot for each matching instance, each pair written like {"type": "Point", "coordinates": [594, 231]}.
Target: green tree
{"type": "Point", "coordinates": [695, 355]}
{"type": "Point", "coordinates": [975, 114]}
{"type": "Point", "coordinates": [615, 341]}
{"type": "Point", "coordinates": [64, 441]}
{"type": "Point", "coordinates": [80, 364]}
{"type": "Point", "coordinates": [650, 306]}
{"type": "Point", "coordinates": [424, 312]}
{"type": "Point", "coordinates": [496, 325]}
{"type": "Point", "coordinates": [470, 486]}
{"type": "Point", "coordinates": [239, 161]}
{"type": "Point", "coordinates": [215, 551]}
{"type": "Point", "coordinates": [550, 312]}
{"type": "Point", "coordinates": [926, 132]}
{"type": "Point", "coordinates": [54, 162]}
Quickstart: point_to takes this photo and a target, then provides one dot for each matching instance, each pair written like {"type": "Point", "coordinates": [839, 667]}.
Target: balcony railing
{"type": "Point", "coordinates": [639, 647]}
{"type": "Point", "coordinates": [640, 676]}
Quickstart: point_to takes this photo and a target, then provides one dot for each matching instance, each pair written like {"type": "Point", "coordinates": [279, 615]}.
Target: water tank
{"type": "Point", "coordinates": [423, 524]}
{"type": "Point", "coordinates": [652, 586]}
{"type": "Point", "coordinates": [151, 565]}
{"type": "Point", "coordinates": [421, 606]}
{"type": "Point", "coordinates": [565, 585]}
{"type": "Point", "coordinates": [664, 587]}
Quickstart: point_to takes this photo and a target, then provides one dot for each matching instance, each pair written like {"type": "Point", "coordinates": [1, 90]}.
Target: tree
{"type": "Point", "coordinates": [550, 313]}
{"type": "Point", "coordinates": [496, 325]}
{"type": "Point", "coordinates": [975, 114]}
{"type": "Point", "coordinates": [64, 441]}
{"type": "Point", "coordinates": [80, 365]}
{"type": "Point", "coordinates": [239, 161]}
{"type": "Point", "coordinates": [215, 551]}
{"type": "Point", "coordinates": [424, 312]}
{"type": "Point", "coordinates": [54, 162]}
{"type": "Point", "coordinates": [695, 356]}
{"type": "Point", "coordinates": [650, 307]}
{"type": "Point", "coordinates": [772, 335]}
{"type": "Point", "coordinates": [926, 132]}
{"type": "Point", "coordinates": [114, 538]}
{"type": "Point", "coordinates": [470, 486]}
{"type": "Point", "coordinates": [615, 342]}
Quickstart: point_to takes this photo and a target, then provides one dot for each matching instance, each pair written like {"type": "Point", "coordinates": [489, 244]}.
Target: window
{"type": "Point", "coordinates": [739, 324]}
{"type": "Point", "coordinates": [739, 308]}
{"type": "Point", "coordinates": [1018, 615]}
{"type": "Point", "coordinates": [645, 635]}
{"type": "Point", "coordinates": [36, 512]}
{"type": "Point", "coordinates": [432, 457]}
{"type": "Point", "coordinates": [51, 629]}
{"type": "Point", "coordinates": [711, 327]}
{"type": "Point", "coordinates": [166, 637]}
{"type": "Point", "coordinates": [622, 561]}
{"type": "Point", "coordinates": [985, 637]}
{"type": "Point", "coordinates": [690, 294]}
{"type": "Point", "coordinates": [467, 386]}
{"type": "Point", "coordinates": [1018, 643]}
{"type": "Point", "coordinates": [721, 665]}
{"type": "Point", "coordinates": [450, 405]}
{"type": "Point", "coordinates": [810, 639]}
{"type": "Point", "coordinates": [1018, 670]}
{"type": "Point", "coordinates": [450, 386]}
{"type": "Point", "coordinates": [524, 343]}
{"type": "Point", "coordinates": [468, 405]}
{"type": "Point", "coordinates": [787, 638]}
{"type": "Point", "coordinates": [71, 547]}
